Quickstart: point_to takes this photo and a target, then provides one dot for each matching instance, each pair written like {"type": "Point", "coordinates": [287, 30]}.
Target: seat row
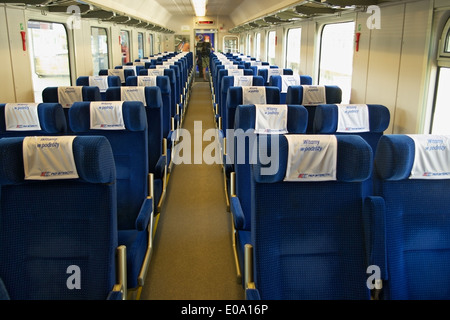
{"type": "Point", "coordinates": [159, 139]}
{"type": "Point", "coordinates": [308, 96]}
{"type": "Point", "coordinates": [109, 144]}
{"type": "Point", "coordinates": [308, 229]}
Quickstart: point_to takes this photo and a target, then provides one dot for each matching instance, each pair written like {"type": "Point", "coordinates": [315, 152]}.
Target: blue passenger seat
{"type": "Point", "coordinates": [408, 217]}
{"type": "Point", "coordinates": [66, 96]}
{"type": "Point", "coordinates": [366, 120]}
{"type": "Point", "coordinates": [103, 82]}
{"type": "Point", "coordinates": [284, 81]}
{"type": "Point", "coordinates": [125, 127]}
{"type": "Point", "coordinates": [157, 158]}
{"type": "Point", "coordinates": [297, 95]}
{"type": "Point", "coordinates": [58, 230]}
{"type": "Point", "coordinates": [294, 121]}
{"type": "Point", "coordinates": [307, 229]}
{"type": "Point", "coordinates": [23, 119]}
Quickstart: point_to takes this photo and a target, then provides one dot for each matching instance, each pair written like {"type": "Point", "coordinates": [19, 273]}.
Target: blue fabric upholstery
{"type": "Point", "coordinates": [326, 122]}
{"type": "Point", "coordinates": [48, 226]}
{"type": "Point", "coordinates": [245, 118]}
{"type": "Point", "coordinates": [409, 223]}
{"type": "Point", "coordinates": [308, 237]}
{"type": "Point", "coordinates": [129, 152]}
{"type": "Point", "coordinates": [294, 95]}
{"type": "Point", "coordinates": [126, 73]}
{"type": "Point", "coordinates": [51, 119]}
{"type": "Point", "coordinates": [221, 87]}
{"type": "Point", "coordinates": [154, 116]}
{"type": "Point", "coordinates": [234, 98]}
{"type": "Point", "coordinates": [50, 95]}
{"type": "Point", "coordinates": [163, 83]}
{"type": "Point", "coordinates": [173, 89]}
{"type": "Point", "coordinates": [113, 81]}
{"type": "Point", "coordinates": [277, 82]}
{"type": "Point", "coordinates": [130, 149]}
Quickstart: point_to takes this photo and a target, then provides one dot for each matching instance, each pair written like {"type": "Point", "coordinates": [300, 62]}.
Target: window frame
{"type": "Point", "coordinates": [107, 44]}
{"type": "Point", "coordinates": [129, 46]}
{"type": "Point", "coordinates": [319, 57]}
{"type": "Point", "coordinates": [268, 46]}
{"type": "Point", "coordinates": [287, 48]}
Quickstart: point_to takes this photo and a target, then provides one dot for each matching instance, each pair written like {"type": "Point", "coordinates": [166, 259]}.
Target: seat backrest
{"type": "Point", "coordinates": [368, 121]}
{"type": "Point", "coordinates": [222, 86]}
{"type": "Point", "coordinates": [308, 236]}
{"type": "Point", "coordinates": [284, 81]}
{"type": "Point", "coordinates": [327, 116]}
{"type": "Point", "coordinates": [154, 117]}
{"type": "Point", "coordinates": [295, 95]}
{"type": "Point", "coordinates": [266, 73]}
{"type": "Point", "coordinates": [53, 95]}
{"type": "Point", "coordinates": [163, 82]}
{"type": "Point", "coordinates": [235, 97]}
{"type": "Point", "coordinates": [410, 216]}
{"type": "Point", "coordinates": [173, 83]}
{"type": "Point", "coordinates": [103, 82]}
{"type": "Point", "coordinates": [21, 119]}
{"type": "Point", "coordinates": [244, 138]}
{"type": "Point", "coordinates": [123, 74]}
{"type": "Point", "coordinates": [130, 150]}
{"type": "Point", "coordinates": [60, 233]}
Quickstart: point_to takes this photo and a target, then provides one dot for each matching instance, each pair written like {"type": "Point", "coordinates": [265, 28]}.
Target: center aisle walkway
{"type": "Point", "coordinates": [192, 256]}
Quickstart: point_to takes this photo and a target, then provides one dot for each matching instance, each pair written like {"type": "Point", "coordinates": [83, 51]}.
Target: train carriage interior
{"type": "Point", "coordinates": [225, 150]}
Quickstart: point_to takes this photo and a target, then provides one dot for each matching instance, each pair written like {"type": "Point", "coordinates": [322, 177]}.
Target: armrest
{"type": "Point", "coordinates": [116, 293]}
{"type": "Point", "coordinates": [160, 167]}
{"type": "Point", "coordinates": [252, 294]}
{"type": "Point", "coordinates": [143, 218]}
{"type": "Point", "coordinates": [238, 214]}
{"type": "Point", "coordinates": [169, 139]}
{"type": "Point", "coordinates": [3, 292]}
{"type": "Point", "coordinates": [374, 212]}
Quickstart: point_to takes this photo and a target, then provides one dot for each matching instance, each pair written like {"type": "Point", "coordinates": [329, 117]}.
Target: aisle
{"type": "Point", "coordinates": [193, 257]}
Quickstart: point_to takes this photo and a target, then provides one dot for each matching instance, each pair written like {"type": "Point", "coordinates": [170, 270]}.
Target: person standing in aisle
{"type": "Point", "coordinates": [198, 54]}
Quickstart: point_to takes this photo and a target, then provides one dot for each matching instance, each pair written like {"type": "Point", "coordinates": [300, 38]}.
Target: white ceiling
{"type": "Point", "coordinates": [213, 7]}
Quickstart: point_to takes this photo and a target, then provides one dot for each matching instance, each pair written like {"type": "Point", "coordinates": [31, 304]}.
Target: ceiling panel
{"type": "Point", "coordinates": [213, 7]}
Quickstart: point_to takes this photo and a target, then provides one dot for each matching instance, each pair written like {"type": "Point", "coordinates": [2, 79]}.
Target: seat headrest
{"type": "Point", "coordinates": [93, 158]}
{"type": "Point", "coordinates": [297, 118]}
{"type": "Point", "coordinates": [400, 157]}
{"type": "Point", "coordinates": [326, 118]}
{"type": "Point", "coordinates": [354, 159]}
{"type": "Point", "coordinates": [134, 116]}
{"type": "Point", "coordinates": [51, 118]}
{"type": "Point", "coordinates": [294, 95]}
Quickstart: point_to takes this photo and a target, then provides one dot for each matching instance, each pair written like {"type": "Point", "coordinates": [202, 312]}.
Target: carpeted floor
{"type": "Point", "coordinates": [192, 256]}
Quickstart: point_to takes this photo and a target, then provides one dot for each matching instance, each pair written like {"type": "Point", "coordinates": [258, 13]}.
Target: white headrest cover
{"type": "Point", "coordinates": [107, 115]}
{"type": "Point", "coordinates": [353, 118]}
{"type": "Point", "coordinates": [432, 157]}
{"type": "Point", "coordinates": [311, 158]}
{"type": "Point", "coordinates": [22, 117]}
{"type": "Point", "coordinates": [49, 158]}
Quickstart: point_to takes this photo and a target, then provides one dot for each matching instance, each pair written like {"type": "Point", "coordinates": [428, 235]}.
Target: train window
{"type": "Point", "coordinates": [99, 43]}
{"type": "Point", "coordinates": [441, 111]}
{"type": "Point", "coordinates": [336, 57]}
{"type": "Point", "coordinates": [271, 44]}
{"type": "Point", "coordinates": [49, 54]}
{"type": "Point", "coordinates": [150, 40]}
{"type": "Point", "coordinates": [249, 45]}
{"type": "Point", "coordinates": [441, 108]}
{"type": "Point", "coordinates": [230, 44]}
{"type": "Point", "coordinates": [125, 46]}
{"type": "Point", "coordinates": [140, 45]}
{"type": "Point", "coordinates": [258, 46]}
{"type": "Point", "coordinates": [294, 38]}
